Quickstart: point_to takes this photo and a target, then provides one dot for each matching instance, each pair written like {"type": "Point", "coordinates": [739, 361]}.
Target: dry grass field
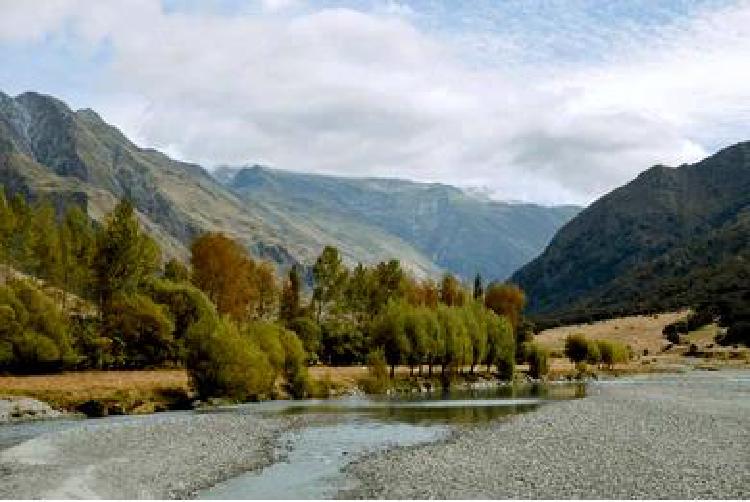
{"type": "Point", "coordinates": [137, 391]}
{"type": "Point", "coordinates": [639, 332]}
{"type": "Point", "coordinates": [652, 352]}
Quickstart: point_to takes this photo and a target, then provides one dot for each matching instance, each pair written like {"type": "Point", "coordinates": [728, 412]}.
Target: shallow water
{"type": "Point", "coordinates": [310, 464]}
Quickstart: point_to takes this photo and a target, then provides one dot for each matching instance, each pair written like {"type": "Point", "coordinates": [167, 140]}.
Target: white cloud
{"type": "Point", "coordinates": [375, 93]}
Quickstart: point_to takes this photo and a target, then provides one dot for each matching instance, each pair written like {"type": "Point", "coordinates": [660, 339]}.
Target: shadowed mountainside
{"type": "Point", "coordinates": [672, 237]}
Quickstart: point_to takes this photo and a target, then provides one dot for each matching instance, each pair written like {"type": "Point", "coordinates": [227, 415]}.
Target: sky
{"type": "Point", "coordinates": [551, 101]}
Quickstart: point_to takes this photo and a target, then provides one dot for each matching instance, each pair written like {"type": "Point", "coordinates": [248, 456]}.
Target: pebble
{"type": "Point", "coordinates": [677, 437]}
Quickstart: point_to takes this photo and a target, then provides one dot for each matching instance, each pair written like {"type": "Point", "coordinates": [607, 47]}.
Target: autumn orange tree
{"type": "Point", "coordinates": [507, 300]}
{"type": "Point", "coordinates": [236, 284]}
{"type": "Point", "coordinates": [451, 291]}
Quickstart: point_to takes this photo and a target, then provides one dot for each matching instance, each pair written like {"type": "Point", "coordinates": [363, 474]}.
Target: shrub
{"type": "Point", "coordinates": [593, 356]}
{"type": "Point", "coordinates": [34, 332]}
{"type": "Point", "coordinates": [377, 369]}
{"type": "Point", "coordinates": [176, 271]}
{"type": "Point", "coordinates": [295, 365]}
{"type": "Point", "coordinates": [223, 363]}
{"type": "Point", "coordinates": [613, 352]}
{"type": "Point", "coordinates": [673, 331]}
{"type": "Point", "coordinates": [577, 348]}
{"type": "Point", "coordinates": [141, 332]}
{"type": "Point", "coordinates": [737, 333]}
{"type": "Point", "coordinates": [538, 359]}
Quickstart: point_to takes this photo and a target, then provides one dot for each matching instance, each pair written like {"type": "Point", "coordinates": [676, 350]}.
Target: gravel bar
{"type": "Point", "coordinates": [159, 456]}
{"type": "Point", "coordinates": [678, 437]}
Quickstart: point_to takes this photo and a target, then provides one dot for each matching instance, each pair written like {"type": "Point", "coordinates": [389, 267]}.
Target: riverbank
{"type": "Point", "coordinates": [108, 392]}
{"type": "Point", "coordinates": [160, 456]}
{"type": "Point", "coordinates": [679, 436]}
{"type": "Point", "coordinates": [675, 436]}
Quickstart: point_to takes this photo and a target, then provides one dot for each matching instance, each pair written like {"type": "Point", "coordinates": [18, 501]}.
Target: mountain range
{"type": "Point", "coordinates": [670, 238]}
{"type": "Point", "coordinates": [48, 150]}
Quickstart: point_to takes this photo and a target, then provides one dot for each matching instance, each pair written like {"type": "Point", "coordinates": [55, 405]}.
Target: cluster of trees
{"type": "Point", "coordinates": [141, 312]}
{"type": "Point", "coordinates": [36, 240]}
{"type": "Point", "coordinates": [225, 316]}
{"type": "Point", "coordinates": [352, 312]}
{"type": "Point", "coordinates": [733, 314]}
{"type": "Point", "coordinates": [580, 349]}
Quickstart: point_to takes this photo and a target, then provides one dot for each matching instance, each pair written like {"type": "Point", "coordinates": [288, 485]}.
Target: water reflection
{"type": "Point", "coordinates": [444, 407]}
{"type": "Point", "coordinates": [312, 468]}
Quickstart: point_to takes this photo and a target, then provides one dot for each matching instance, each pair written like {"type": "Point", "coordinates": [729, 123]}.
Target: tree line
{"type": "Point", "coordinates": [108, 300]}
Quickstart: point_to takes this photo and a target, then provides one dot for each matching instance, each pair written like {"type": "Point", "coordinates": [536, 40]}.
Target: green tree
{"type": "Point", "coordinates": [125, 256]}
{"type": "Point", "coordinates": [176, 271]}
{"type": "Point", "coordinates": [46, 245]}
{"type": "Point", "coordinates": [478, 287]}
{"type": "Point", "coordinates": [389, 284]}
{"type": "Point", "coordinates": [329, 277]}
{"type": "Point", "coordinates": [538, 359]}
{"type": "Point", "coordinates": [34, 332]}
{"type": "Point", "coordinates": [290, 304]}
{"type": "Point", "coordinates": [141, 330]}
{"type": "Point", "coordinates": [78, 247]}
{"type": "Point", "coordinates": [500, 345]}
{"type": "Point", "coordinates": [224, 363]}
{"type": "Point", "coordinates": [309, 333]}
{"type": "Point", "coordinates": [389, 333]}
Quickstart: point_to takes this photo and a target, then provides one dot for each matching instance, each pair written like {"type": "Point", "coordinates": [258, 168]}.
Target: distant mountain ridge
{"type": "Point", "coordinates": [48, 150]}
{"type": "Point", "coordinates": [671, 237]}
{"type": "Point", "coordinates": [457, 231]}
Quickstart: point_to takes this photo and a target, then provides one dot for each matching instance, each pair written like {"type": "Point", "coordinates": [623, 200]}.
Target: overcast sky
{"type": "Point", "coordinates": [552, 102]}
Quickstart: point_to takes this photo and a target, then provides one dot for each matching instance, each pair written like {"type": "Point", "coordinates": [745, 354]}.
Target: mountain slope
{"type": "Point", "coordinates": [48, 150]}
{"type": "Point", "coordinates": [457, 231]}
{"type": "Point", "coordinates": [670, 237]}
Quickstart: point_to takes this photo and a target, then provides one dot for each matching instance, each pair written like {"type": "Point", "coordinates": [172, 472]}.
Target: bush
{"type": "Point", "coordinates": [34, 332]}
{"type": "Point", "coordinates": [295, 365]}
{"type": "Point", "coordinates": [699, 318]}
{"type": "Point", "coordinates": [593, 356]}
{"type": "Point", "coordinates": [613, 352]}
{"type": "Point", "coordinates": [673, 331]}
{"type": "Point", "coordinates": [538, 359]}
{"type": "Point", "coordinates": [737, 333]}
{"type": "Point", "coordinates": [577, 348]}
{"type": "Point", "coordinates": [141, 332]}
{"type": "Point", "coordinates": [223, 363]}
{"type": "Point", "coordinates": [377, 379]}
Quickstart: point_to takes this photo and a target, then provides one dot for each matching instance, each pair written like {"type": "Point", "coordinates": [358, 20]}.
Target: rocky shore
{"type": "Point", "coordinates": [682, 436]}
{"type": "Point", "coordinates": [676, 436]}
{"type": "Point", "coordinates": [16, 409]}
{"type": "Point", "coordinates": [159, 456]}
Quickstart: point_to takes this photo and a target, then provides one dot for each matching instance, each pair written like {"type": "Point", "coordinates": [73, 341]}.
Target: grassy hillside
{"type": "Point", "coordinates": [456, 231]}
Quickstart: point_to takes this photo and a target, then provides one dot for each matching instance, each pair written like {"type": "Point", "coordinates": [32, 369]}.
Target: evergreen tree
{"type": "Point", "coordinates": [125, 255]}
{"type": "Point", "coordinates": [290, 297]}
{"type": "Point", "coordinates": [478, 287]}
